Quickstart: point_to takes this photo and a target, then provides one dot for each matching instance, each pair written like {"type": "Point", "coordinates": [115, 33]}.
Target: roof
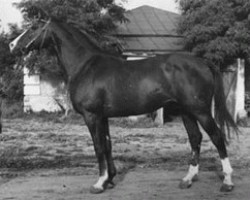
{"type": "Point", "coordinates": [150, 29]}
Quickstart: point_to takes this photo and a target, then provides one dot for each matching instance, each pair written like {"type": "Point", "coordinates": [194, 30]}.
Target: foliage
{"type": "Point", "coordinates": [11, 76]}
{"type": "Point", "coordinates": [218, 30]}
{"type": "Point", "coordinates": [97, 17]}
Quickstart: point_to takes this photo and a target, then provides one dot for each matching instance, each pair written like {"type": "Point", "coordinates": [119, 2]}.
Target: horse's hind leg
{"type": "Point", "coordinates": [195, 138]}
{"type": "Point", "coordinates": [209, 125]}
{"type": "Point", "coordinates": [98, 127]}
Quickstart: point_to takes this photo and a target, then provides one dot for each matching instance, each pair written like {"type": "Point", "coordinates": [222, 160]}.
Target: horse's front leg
{"type": "Point", "coordinates": [108, 153]}
{"type": "Point", "coordinates": [98, 127]}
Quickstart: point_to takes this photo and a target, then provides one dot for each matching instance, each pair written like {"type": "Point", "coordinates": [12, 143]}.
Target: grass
{"type": "Point", "coordinates": [12, 110]}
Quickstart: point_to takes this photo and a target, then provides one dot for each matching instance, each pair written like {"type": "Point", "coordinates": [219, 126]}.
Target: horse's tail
{"type": "Point", "coordinates": [222, 115]}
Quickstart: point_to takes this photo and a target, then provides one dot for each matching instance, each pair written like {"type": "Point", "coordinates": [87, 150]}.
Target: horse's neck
{"type": "Point", "coordinates": [73, 53]}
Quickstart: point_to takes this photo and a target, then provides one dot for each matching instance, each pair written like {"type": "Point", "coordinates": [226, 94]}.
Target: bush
{"type": "Point", "coordinates": [12, 109]}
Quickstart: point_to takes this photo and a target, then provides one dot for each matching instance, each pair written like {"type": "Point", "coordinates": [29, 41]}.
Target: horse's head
{"type": "Point", "coordinates": [36, 36]}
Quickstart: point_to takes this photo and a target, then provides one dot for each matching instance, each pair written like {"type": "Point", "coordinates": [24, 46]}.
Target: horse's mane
{"type": "Point", "coordinates": [79, 34]}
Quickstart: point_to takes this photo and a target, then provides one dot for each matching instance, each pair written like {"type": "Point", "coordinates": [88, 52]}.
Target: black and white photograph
{"type": "Point", "coordinates": [124, 99]}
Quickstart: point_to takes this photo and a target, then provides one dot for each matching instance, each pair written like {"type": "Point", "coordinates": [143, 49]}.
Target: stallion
{"type": "Point", "coordinates": [102, 86]}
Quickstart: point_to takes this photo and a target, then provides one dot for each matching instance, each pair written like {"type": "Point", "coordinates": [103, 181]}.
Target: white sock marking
{"type": "Point", "coordinates": [227, 170]}
{"type": "Point", "coordinates": [101, 180]}
{"type": "Point", "coordinates": [192, 171]}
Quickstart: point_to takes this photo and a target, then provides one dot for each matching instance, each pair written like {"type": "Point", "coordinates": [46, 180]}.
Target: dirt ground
{"type": "Point", "coordinates": [54, 160]}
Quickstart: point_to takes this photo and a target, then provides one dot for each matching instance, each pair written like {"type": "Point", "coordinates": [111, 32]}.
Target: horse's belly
{"type": "Point", "coordinates": [124, 111]}
{"type": "Point", "coordinates": [135, 104]}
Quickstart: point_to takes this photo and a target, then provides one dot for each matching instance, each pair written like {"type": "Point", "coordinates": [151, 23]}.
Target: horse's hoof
{"type": "Point", "coordinates": [94, 190]}
{"type": "Point", "coordinates": [185, 184]}
{"type": "Point", "coordinates": [226, 188]}
{"type": "Point", "coordinates": [110, 185]}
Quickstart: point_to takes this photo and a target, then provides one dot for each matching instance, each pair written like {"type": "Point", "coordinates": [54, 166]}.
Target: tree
{"type": "Point", "coordinates": [97, 17]}
{"type": "Point", "coordinates": [217, 30]}
{"type": "Point", "coordinates": [11, 76]}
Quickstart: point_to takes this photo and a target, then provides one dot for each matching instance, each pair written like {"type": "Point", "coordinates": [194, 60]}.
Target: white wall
{"type": "Point", "coordinates": [40, 95]}
{"type": "Point", "coordinates": [240, 91]}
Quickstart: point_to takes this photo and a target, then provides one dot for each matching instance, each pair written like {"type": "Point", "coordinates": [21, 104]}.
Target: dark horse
{"type": "Point", "coordinates": [102, 86]}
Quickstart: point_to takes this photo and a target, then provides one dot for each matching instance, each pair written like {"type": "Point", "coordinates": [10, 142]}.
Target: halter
{"type": "Point", "coordinates": [37, 35]}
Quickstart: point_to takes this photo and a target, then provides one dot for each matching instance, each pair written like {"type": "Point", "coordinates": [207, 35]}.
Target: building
{"type": "Point", "coordinates": [149, 31]}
